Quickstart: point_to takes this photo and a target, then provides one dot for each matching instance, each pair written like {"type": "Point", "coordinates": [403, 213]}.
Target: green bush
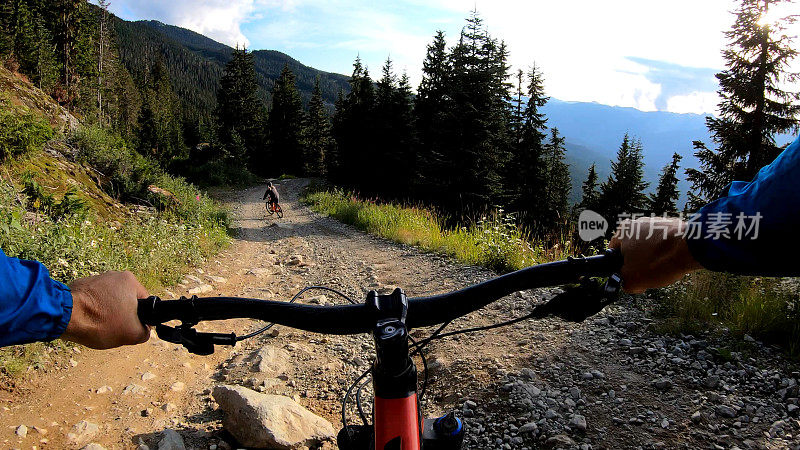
{"type": "Point", "coordinates": [21, 131]}
{"type": "Point", "coordinates": [71, 203]}
{"type": "Point", "coordinates": [157, 247]}
{"type": "Point", "coordinates": [129, 173]}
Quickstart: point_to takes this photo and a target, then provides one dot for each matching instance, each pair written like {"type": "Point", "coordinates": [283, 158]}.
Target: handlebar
{"type": "Point", "coordinates": [360, 318]}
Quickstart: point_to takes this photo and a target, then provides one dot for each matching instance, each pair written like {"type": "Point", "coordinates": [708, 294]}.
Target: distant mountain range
{"type": "Point", "coordinates": [594, 132]}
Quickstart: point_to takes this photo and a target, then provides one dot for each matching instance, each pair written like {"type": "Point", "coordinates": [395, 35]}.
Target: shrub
{"type": "Point", "coordinates": [129, 172]}
{"type": "Point", "coordinates": [21, 131]}
{"type": "Point", "coordinates": [71, 203]}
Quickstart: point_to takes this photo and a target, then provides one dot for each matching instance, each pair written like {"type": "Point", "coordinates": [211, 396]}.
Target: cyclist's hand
{"type": "Point", "coordinates": [104, 311]}
{"type": "Point", "coordinates": [653, 251]}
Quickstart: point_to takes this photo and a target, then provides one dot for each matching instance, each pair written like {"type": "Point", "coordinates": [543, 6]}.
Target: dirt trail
{"type": "Point", "coordinates": [607, 383]}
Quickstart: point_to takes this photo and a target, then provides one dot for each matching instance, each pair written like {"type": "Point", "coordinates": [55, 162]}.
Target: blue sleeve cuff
{"type": "Point", "coordinates": [33, 306]}
{"type": "Point", "coordinates": [65, 298]}
{"type": "Point", "coordinates": [750, 229]}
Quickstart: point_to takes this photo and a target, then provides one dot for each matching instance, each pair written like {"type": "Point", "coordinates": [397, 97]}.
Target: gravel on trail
{"type": "Point", "coordinates": [609, 382]}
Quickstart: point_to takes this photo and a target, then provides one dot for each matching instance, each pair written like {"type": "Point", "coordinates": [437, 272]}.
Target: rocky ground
{"type": "Point", "coordinates": [611, 382]}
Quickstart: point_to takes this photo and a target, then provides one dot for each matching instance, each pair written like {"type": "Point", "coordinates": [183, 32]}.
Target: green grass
{"type": "Point", "coordinates": [60, 217]}
{"type": "Point", "coordinates": [494, 241]}
{"type": "Point", "coordinates": [764, 308]}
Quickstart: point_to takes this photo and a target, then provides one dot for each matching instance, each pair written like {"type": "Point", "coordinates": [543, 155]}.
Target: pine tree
{"type": "Point", "coordinates": [623, 191]}
{"type": "Point", "coordinates": [354, 131]}
{"type": "Point", "coordinates": [67, 14]}
{"type": "Point", "coordinates": [753, 107]}
{"type": "Point", "coordinates": [478, 127]}
{"type": "Point", "coordinates": [555, 207]}
{"type": "Point", "coordinates": [284, 125]}
{"type": "Point", "coordinates": [393, 134]}
{"type": "Point", "coordinates": [317, 138]}
{"type": "Point", "coordinates": [666, 195]}
{"type": "Point", "coordinates": [527, 171]}
{"type": "Point", "coordinates": [589, 188]}
{"type": "Point", "coordinates": [160, 119]}
{"type": "Point", "coordinates": [103, 55]}
{"type": "Point", "coordinates": [432, 110]}
{"type": "Point", "coordinates": [239, 114]}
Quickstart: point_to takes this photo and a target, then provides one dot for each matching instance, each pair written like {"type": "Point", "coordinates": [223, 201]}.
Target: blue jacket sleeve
{"type": "Point", "coordinates": [33, 306]}
{"type": "Point", "coordinates": [755, 229]}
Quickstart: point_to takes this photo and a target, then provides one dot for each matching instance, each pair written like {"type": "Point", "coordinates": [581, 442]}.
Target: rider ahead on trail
{"type": "Point", "coordinates": [272, 194]}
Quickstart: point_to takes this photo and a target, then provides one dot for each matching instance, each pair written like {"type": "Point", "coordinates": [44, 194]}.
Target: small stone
{"type": "Point", "coordinates": [177, 386]}
{"type": "Point", "coordinates": [93, 446]}
{"type": "Point", "coordinates": [202, 289]}
{"type": "Point", "coordinates": [22, 431]}
{"type": "Point", "coordinates": [82, 432]}
{"type": "Point", "coordinates": [578, 421]}
{"type": "Point", "coordinates": [104, 390]}
{"type": "Point", "coordinates": [168, 407]}
{"type": "Point", "coordinates": [662, 384]}
{"type": "Point", "coordinates": [132, 389]}
{"type": "Point", "coordinates": [171, 440]}
{"type": "Point", "coordinates": [73, 363]}
{"type": "Point", "coordinates": [529, 427]}
{"type": "Point", "coordinates": [665, 423]}
{"type": "Point", "coordinates": [148, 376]}
{"type": "Point", "coordinates": [711, 382]}
{"type": "Point", "coordinates": [559, 441]}
{"type": "Point", "coordinates": [725, 411]}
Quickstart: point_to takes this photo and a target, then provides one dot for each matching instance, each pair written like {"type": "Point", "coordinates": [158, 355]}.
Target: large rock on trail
{"type": "Point", "coordinates": [270, 421]}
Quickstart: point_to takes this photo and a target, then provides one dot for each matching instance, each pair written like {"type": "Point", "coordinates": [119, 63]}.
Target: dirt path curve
{"type": "Point", "coordinates": [546, 383]}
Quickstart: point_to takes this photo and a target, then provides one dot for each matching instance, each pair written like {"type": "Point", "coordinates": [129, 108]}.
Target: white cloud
{"type": "Point", "coordinates": [220, 20]}
{"type": "Point", "coordinates": [696, 102]}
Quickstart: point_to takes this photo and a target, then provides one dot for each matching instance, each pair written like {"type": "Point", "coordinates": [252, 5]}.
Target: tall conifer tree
{"type": "Point", "coordinates": [663, 201]}
{"type": "Point", "coordinates": [284, 125]}
{"type": "Point", "coordinates": [754, 107]}
{"type": "Point", "coordinates": [239, 113]}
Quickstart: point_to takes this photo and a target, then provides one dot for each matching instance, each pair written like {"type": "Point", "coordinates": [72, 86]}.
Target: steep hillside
{"type": "Point", "coordinates": [81, 201]}
{"type": "Point", "coordinates": [196, 63]}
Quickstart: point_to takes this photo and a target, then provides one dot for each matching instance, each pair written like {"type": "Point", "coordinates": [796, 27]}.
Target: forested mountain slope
{"type": "Point", "coordinates": [195, 63]}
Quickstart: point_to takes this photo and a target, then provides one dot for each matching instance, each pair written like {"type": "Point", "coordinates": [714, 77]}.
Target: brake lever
{"type": "Point", "coordinates": [192, 340]}
{"type": "Point", "coordinates": [577, 303]}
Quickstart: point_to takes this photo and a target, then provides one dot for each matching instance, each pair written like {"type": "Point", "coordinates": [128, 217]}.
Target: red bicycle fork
{"type": "Point", "coordinates": [398, 424]}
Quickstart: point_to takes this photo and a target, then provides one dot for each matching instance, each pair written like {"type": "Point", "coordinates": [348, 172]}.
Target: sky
{"type": "Point", "coordinates": [650, 55]}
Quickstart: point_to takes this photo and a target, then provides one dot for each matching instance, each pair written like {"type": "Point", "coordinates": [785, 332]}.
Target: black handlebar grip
{"type": "Point", "coordinates": [614, 256]}
{"type": "Point", "coordinates": [146, 310]}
